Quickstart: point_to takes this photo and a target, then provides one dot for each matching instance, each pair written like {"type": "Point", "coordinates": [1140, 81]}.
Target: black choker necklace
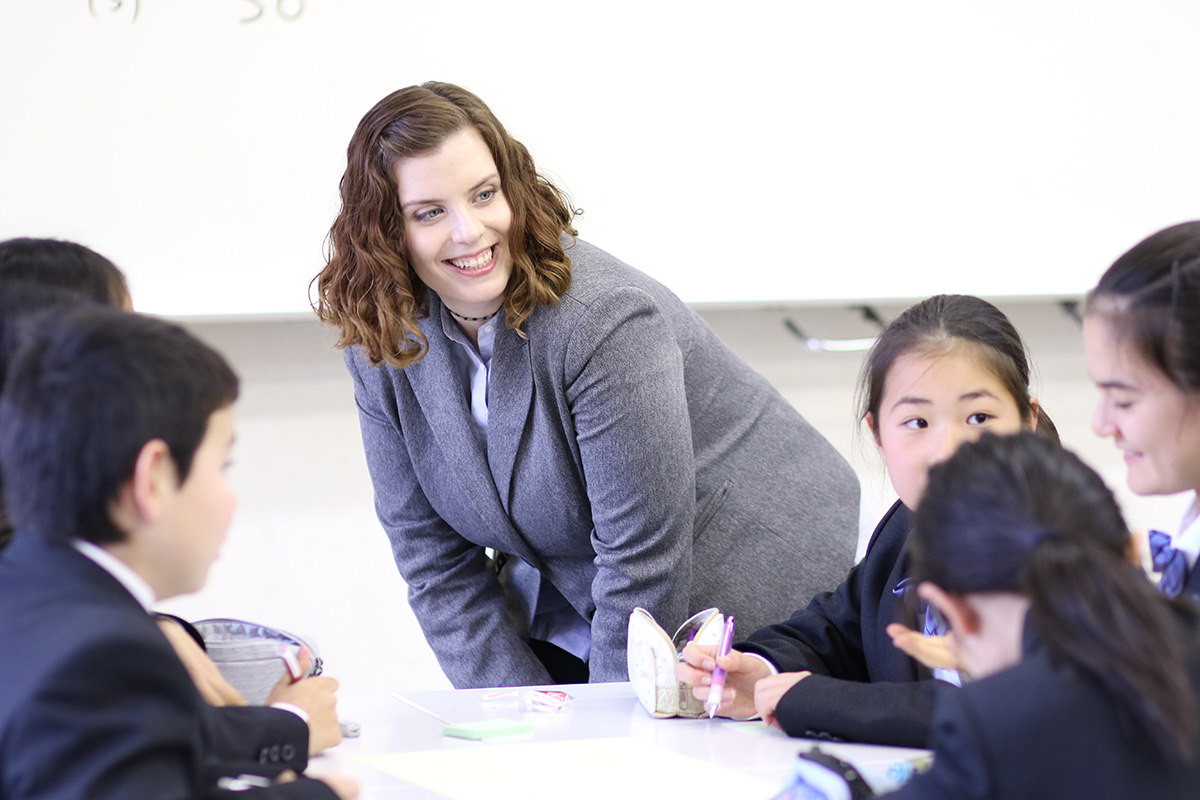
{"type": "Point", "coordinates": [454, 313]}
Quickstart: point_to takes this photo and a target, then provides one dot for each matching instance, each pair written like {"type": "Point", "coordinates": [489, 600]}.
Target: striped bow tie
{"type": "Point", "coordinates": [1169, 562]}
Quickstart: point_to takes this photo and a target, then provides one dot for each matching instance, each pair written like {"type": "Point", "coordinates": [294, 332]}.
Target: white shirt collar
{"type": "Point", "coordinates": [1187, 540]}
{"type": "Point", "coordinates": [133, 583]}
{"type": "Point", "coordinates": [486, 336]}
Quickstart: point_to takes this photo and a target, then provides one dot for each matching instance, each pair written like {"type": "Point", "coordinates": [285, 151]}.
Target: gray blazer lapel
{"type": "Point", "coordinates": [435, 382]}
{"type": "Point", "coordinates": [510, 399]}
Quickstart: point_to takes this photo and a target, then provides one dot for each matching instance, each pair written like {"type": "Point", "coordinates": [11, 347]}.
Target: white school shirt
{"type": "Point", "coordinates": [1187, 541]}
{"type": "Point", "coordinates": [554, 619]}
{"type": "Point", "coordinates": [134, 584]}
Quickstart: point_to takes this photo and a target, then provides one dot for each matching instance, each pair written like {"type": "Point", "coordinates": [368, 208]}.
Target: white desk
{"type": "Point", "coordinates": [608, 715]}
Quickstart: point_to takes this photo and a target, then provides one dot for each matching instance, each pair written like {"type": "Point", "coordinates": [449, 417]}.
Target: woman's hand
{"type": "Point", "coordinates": [742, 672]}
{"type": "Point", "coordinates": [935, 652]}
{"type": "Point", "coordinates": [213, 688]}
{"type": "Point", "coordinates": [770, 690]}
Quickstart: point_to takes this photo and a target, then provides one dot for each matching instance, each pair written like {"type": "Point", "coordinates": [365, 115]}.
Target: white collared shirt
{"type": "Point", "coordinates": [124, 574]}
{"type": "Point", "coordinates": [1187, 540]}
{"type": "Point", "coordinates": [475, 364]}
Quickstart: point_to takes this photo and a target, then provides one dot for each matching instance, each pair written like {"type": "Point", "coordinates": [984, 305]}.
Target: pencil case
{"type": "Point", "coordinates": [247, 654]}
{"type": "Point", "coordinates": [653, 655]}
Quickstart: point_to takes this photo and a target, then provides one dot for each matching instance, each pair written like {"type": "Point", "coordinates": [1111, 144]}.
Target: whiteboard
{"type": "Point", "coordinates": [763, 152]}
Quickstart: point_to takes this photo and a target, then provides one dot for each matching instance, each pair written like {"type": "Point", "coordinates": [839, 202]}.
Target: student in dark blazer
{"type": "Point", "coordinates": [43, 277]}
{"type": "Point", "coordinates": [1086, 678]}
{"type": "Point", "coordinates": [861, 688]}
{"type": "Point", "coordinates": [115, 430]}
{"type": "Point", "coordinates": [525, 393]}
{"type": "Point", "coordinates": [1141, 333]}
{"type": "Point", "coordinates": [947, 369]}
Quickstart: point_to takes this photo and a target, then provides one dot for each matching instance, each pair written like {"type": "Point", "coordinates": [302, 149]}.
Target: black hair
{"type": "Point", "coordinates": [22, 307]}
{"type": "Point", "coordinates": [1151, 295]}
{"type": "Point", "coordinates": [64, 265]}
{"type": "Point", "coordinates": [39, 277]}
{"type": "Point", "coordinates": [83, 398]}
{"type": "Point", "coordinates": [938, 323]}
{"type": "Point", "coordinates": [1020, 514]}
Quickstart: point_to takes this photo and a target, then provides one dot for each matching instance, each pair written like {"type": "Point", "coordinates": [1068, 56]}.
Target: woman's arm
{"type": "Point", "coordinates": [452, 589]}
{"type": "Point", "coordinates": [625, 388]}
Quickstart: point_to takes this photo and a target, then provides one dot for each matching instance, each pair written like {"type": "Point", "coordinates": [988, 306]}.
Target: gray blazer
{"type": "Point", "coordinates": [631, 460]}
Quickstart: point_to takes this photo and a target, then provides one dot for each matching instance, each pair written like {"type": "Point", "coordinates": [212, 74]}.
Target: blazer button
{"type": "Point", "coordinates": [288, 752]}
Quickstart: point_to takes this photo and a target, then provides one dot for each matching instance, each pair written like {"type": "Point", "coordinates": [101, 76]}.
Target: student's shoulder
{"type": "Point", "coordinates": [890, 534]}
{"type": "Point", "coordinates": [88, 660]}
{"type": "Point", "coordinates": [54, 593]}
{"type": "Point", "coordinates": [1034, 698]}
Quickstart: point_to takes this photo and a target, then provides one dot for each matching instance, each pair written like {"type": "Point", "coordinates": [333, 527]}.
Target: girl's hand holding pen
{"type": "Point", "coordinates": [742, 672]}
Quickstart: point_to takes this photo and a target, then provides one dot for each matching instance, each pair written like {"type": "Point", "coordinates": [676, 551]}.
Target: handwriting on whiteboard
{"type": "Point", "coordinates": [255, 10]}
{"type": "Point", "coordinates": [114, 9]}
{"type": "Point", "coordinates": [286, 9]}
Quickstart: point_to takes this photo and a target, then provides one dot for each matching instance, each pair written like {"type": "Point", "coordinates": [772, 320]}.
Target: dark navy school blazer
{"type": "Point", "coordinates": [94, 702]}
{"type": "Point", "coordinates": [1043, 732]}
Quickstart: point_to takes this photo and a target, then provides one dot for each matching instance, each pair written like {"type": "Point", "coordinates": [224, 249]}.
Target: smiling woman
{"type": "Point", "coordinates": [1141, 335]}
{"type": "Point", "coordinates": [525, 393]}
{"type": "Point", "coordinates": [452, 203]}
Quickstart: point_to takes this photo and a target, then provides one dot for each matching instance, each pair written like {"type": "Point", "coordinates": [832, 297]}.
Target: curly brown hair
{"type": "Point", "coordinates": [368, 288]}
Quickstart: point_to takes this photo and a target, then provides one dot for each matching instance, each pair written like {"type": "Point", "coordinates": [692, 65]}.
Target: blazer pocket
{"type": "Point", "coordinates": [711, 507]}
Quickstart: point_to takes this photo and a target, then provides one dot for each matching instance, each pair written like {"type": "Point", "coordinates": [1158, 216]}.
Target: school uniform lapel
{"type": "Point", "coordinates": [906, 608]}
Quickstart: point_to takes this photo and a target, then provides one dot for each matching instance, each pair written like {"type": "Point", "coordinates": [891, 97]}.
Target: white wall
{"type": "Point", "coordinates": [896, 147]}
{"type": "Point", "coordinates": [306, 553]}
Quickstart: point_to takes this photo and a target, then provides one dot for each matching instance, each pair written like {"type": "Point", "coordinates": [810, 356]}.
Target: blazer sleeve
{"type": "Point", "coordinates": [624, 384]}
{"type": "Point", "coordinates": [883, 712]}
{"type": "Point", "coordinates": [452, 589]}
{"type": "Point", "coordinates": [827, 636]}
{"type": "Point", "coordinates": [119, 719]}
{"type": "Point", "coordinates": [253, 739]}
{"type": "Point", "coordinates": [861, 689]}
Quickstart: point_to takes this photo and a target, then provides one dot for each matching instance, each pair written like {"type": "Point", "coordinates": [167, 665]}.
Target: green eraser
{"type": "Point", "coordinates": [487, 728]}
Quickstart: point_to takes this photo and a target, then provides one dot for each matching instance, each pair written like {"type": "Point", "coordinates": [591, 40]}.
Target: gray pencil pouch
{"type": "Point", "coordinates": [247, 654]}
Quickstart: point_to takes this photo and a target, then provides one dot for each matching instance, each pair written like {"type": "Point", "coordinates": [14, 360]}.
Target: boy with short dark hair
{"type": "Point", "coordinates": [115, 430]}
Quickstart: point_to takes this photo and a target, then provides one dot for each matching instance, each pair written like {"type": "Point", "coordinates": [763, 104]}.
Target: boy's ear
{"type": "Point", "coordinates": [142, 498]}
{"type": "Point", "coordinates": [959, 614]}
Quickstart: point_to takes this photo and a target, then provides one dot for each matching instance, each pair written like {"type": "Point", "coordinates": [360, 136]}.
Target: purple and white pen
{"type": "Point", "coordinates": [717, 687]}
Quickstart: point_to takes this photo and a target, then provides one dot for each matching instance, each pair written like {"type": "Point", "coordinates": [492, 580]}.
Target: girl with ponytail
{"type": "Point", "coordinates": [1084, 677]}
{"type": "Point", "coordinates": [943, 372]}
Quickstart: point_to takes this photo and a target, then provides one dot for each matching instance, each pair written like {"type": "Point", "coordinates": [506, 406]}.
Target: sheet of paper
{"type": "Point", "coordinates": [582, 769]}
